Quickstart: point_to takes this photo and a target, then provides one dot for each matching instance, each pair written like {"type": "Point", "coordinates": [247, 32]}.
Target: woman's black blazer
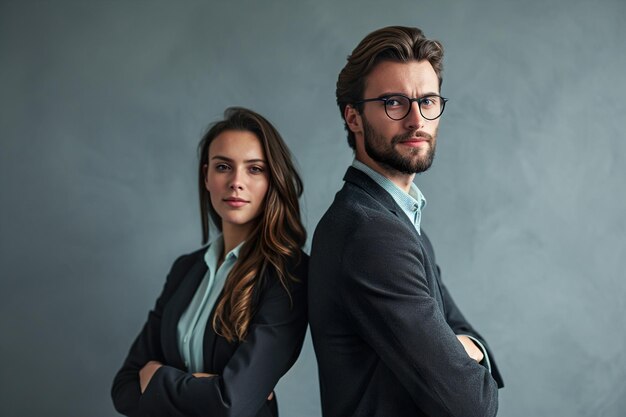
{"type": "Point", "coordinates": [247, 372]}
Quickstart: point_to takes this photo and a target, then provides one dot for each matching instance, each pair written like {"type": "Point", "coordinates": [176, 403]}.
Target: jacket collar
{"type": "Point", "coordinates": [378, 193]}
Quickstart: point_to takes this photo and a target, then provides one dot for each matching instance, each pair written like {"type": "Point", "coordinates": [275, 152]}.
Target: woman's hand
{"type": "Point", "coordinates": [202, 375]}
{"type": "Point", "coordinates": [146, 373]}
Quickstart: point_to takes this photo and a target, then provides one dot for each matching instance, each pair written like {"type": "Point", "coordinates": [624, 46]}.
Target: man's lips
{"type": "Point", "coordinates": [414, 141]}
{"type": "Point", "coordinates": [235, 201]}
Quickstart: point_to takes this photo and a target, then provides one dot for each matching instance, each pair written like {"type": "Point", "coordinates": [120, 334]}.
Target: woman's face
{"type": "Point", "coordinates": [237, 179]}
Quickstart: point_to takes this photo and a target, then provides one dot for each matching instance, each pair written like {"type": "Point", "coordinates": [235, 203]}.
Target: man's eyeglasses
{"type": "Point", "coordinates": [398, 106]}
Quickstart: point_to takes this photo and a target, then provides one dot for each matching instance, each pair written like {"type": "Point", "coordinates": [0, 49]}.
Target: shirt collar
{"type": "Point", "coordinates": [411, 203]}
{"type": "Point", "coordinates": [216, 246]}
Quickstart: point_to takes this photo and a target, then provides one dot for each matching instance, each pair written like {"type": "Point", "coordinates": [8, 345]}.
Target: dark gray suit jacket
{"type": "Point", "coordinates": [246, 372]}
{"type": "Point", "coordinates": [383, 324]}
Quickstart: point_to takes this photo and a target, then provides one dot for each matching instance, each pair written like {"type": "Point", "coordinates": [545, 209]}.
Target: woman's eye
{"type": "Point", "coordinates": [256, 169]}
{"type": "Point", "coordinates": [222, 167]}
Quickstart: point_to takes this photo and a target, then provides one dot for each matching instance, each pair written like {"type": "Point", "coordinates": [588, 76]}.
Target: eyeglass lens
{"type": "Point", "coordinates": [398, 107]}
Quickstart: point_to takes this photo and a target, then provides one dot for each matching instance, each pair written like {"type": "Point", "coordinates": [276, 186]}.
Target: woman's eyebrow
{"type": "Point", "coordinates": [227, 159]}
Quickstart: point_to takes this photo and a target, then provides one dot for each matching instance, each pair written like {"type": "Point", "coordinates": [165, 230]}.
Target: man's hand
{"type": "Point", "coordinates": [146, 373]}
{"type": "Point", "coordinates": [470, 347]}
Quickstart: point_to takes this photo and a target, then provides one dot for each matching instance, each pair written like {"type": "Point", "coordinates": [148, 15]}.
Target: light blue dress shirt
{"type": "Point", "coordinates": [193, 321]}
{"type": "Point", "coordinates": [412, 205]}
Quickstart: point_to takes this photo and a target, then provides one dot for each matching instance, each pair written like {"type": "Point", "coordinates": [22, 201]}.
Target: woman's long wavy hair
{"type": "Point", "coordinates": [278, 234]}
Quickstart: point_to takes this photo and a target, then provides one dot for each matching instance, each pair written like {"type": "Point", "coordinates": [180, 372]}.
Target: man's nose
{"type": "Point", "coordinates": [414, 119]}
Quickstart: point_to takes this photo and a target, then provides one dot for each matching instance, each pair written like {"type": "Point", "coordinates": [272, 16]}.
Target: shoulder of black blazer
{"type": "Point", "coordinates": [185, 276]}
{"type": "Point", "coordinates": [361, 190]}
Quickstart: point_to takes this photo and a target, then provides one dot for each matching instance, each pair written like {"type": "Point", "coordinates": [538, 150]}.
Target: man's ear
{"type": "Point", "coordinates": [353, 119]}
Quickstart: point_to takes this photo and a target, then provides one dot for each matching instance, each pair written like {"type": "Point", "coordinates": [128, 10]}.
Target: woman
{"type": "Point", "coordinates": [232, 316]}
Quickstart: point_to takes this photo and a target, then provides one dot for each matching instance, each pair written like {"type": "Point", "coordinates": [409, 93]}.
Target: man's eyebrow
{"type": "Point", "coordinates": [227, 159]}
{"type": "Point", "coordinates": [390, 93]}
{"type": "Point", "coordinates": [395, 93]}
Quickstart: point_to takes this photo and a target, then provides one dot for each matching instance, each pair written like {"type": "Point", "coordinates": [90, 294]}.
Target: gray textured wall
{"type": "Point", "coordinates": [101, 107]}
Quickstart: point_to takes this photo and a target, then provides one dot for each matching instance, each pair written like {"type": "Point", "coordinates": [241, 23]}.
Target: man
{"type": "Point", "coordinates": [388, 337]}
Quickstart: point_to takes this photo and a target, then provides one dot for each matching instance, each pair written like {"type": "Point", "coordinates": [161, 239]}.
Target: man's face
{"type": "Point", "coordinates": [404, 146]}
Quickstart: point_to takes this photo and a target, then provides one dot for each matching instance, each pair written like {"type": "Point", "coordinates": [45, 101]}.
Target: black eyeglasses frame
{"type": "Point", "coordinates": [419, 101]}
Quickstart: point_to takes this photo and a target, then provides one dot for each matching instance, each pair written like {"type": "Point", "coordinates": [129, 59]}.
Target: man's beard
{"type": "Point", "coordinates": [383, 152]}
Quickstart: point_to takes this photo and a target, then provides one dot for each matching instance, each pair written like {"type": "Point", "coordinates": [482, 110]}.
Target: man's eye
{"type": "Point", "coordinates": [393, 102]}
{"type": "Point", "coordinates": [428, 101]}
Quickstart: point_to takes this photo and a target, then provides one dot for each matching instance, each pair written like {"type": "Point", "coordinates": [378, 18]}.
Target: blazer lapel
{"type": "Point", "coordinates": [175, 308]}
{"type": "Point", "coordinates": [209, 341]}
{"type": "Point", "coordinates": [378, 193]}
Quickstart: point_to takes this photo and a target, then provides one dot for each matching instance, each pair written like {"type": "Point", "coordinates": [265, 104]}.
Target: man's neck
{"type": "Point", "coordinates": [402, 180]}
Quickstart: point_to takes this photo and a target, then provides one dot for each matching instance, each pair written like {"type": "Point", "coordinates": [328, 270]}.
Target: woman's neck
{"type": "Point", "coordinates": [233, 235]}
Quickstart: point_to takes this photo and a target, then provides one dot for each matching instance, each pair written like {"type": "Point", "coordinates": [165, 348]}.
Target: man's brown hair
{"type": "Point", "coordinates": [393, 43]}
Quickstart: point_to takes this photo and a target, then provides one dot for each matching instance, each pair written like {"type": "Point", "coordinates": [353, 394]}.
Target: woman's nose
{"type": "Point", "coordinates": [236, 183]}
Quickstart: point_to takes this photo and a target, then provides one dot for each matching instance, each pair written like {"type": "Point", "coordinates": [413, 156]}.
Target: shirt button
{"type": "Point", "coordinates": [186, 339]}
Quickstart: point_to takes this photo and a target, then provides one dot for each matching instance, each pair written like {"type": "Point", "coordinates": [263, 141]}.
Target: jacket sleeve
{"type": "Point", "coordinates": [387, 294]}
{"type": "Point", "coordinates": [461, 326]}
{"type": "Point", "coordinates": [271, 347]}
{"type": "Point", "coordinates": [126, 392]}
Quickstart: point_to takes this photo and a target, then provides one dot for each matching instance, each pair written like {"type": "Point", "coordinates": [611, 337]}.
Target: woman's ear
{"type": "Point", "coordinates": [205, 170]}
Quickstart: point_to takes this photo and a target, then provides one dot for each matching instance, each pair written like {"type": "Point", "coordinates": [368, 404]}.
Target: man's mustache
{"type": "Point", "coordinates": [409, 135]}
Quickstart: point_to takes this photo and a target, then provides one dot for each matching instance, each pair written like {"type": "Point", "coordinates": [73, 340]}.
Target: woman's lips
{"type": "Point", "coordinates": [236, 202]}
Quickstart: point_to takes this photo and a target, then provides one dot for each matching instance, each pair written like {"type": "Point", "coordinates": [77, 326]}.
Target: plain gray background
{"type": "Point", "coordinates": [102, 104]}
